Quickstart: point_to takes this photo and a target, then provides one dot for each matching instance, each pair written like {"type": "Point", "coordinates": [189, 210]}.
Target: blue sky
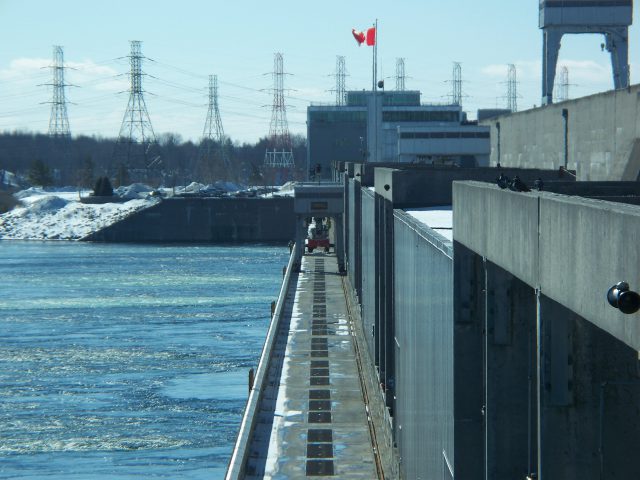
{"type": "Point", "coordinates": [237, 39]}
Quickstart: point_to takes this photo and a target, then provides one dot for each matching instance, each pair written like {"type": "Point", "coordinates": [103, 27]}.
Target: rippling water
{"type": "Point", "coordinates": [128, 361]}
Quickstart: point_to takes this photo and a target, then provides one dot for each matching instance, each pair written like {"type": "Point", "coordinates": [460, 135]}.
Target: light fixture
{"type": "Point", "coordinates": [627, 301]}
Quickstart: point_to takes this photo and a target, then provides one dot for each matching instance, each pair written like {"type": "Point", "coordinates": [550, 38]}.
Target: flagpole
{"type": "Point", "coordinates": [375, 58]}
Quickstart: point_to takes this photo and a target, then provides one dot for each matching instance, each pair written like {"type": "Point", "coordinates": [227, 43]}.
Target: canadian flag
{"type": "Point", "coordinates": [361, 37]}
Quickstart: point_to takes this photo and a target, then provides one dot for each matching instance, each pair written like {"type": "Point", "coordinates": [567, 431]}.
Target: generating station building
{"type": "Point", "coordinates": [394, 127]}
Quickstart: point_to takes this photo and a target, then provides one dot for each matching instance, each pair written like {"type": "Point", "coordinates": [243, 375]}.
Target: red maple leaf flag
{"type": "Point", "coordinates": [371, 36]}
{"type": "Point", "coordinates": [359, 36]}
{"type": "Point", "coordinates": [368, 36]}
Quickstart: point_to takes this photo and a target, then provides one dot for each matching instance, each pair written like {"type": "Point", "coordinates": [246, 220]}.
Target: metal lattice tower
{"type": "Point", "coordinates": [341, 74]}
{"type": "Point", "coordinates": [213, 133]}
{"type": "Point", "coordinates": [136, 135]}
{"type": "Point", "coordinates": [562, 87]}
{"type": "Point", "coordinates": [59, 121]}
{"type": "Point", "coordinates": [280, 153]}
{"type": "Point", "coordinates": [456, 84]}
{"type": "Point", "coordinates": [512, 88]}
{"type": "Point", "coordinates": [400, 76]}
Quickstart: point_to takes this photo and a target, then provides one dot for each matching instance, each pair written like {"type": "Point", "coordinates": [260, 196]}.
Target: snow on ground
{"type": "Point", "coordinates": [439, 219]}
{"type": "Point", "coordinates": [59, 215]}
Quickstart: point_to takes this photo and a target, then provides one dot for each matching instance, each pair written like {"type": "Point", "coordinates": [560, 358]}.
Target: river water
{"type": "Point", "coordinates": [128, 361]}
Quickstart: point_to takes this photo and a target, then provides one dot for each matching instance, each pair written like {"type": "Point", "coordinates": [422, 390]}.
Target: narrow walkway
{"type": "Point", "coordinates": [319, 425]}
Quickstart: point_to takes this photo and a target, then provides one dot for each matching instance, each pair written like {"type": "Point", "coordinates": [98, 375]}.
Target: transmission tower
{"type": "Point", "coordinates": [341, 75]}
{"type": "Point", "coordinates": [59, 121]}
{"type": "Point", "coordinates": [213, 138]}
{"type": "Point", "coordinates": [512, 88]}
{"type": "Point", "coordinates": [456, 84]}
{"type": "Point", "coordinates": [136, 137]}
{"type": "Point", "coordinates": [562, 87]}
{"type": "Point", "coordinates": [280, 153]}
{"type": "Point", "coordinates": [400, 76]}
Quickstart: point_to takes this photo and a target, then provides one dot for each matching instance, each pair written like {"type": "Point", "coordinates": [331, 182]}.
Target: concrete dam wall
{"type": "Point", "coordinates": [206, 220]}
{"type": "Point", "coordinates": [496, 351]}
{"type": "Point", "coordinates": [598, 136]}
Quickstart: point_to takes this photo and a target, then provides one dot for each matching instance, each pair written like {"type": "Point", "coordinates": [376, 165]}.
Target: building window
{"type": "Point", "coordinates": [425, 135]}
{"type": "Point", "coordinates": [336, 116]}
{"type": "Point", "coordinates": [421, 116]}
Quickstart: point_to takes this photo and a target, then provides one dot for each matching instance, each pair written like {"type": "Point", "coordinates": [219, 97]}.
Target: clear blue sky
{"type": "Point", "coordinates": [237, 39]}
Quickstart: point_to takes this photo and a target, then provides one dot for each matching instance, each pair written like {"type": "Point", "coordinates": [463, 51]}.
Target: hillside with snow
{"type": "Point", "coordinates": [45, 215]}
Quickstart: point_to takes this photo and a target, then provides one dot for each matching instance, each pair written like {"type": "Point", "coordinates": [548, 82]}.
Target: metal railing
{"type": "Point", "coordinates": [238, 461]}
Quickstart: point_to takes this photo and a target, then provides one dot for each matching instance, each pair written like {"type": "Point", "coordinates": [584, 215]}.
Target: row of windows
{"type": "Point", "coordinates": [444, 135]}
{"type": "Point", "coordinates": [336, 116]}
{"type": "Point", "coordinates": [421, 116]}
{"type": "Point", "coordinates": [398, 99]}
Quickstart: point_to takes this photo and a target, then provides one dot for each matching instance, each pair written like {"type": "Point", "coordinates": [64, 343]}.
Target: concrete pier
{"type": "Point", "coordinates": [313, 420]}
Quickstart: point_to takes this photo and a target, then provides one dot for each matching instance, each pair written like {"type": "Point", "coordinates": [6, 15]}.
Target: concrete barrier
{"type": "Point", "coordinates": [601, 138]}
{"type": "Point", "coordinates": [206, 220]}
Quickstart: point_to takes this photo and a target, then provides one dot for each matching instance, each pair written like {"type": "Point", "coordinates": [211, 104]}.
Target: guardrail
{"type": "Point", "coordinates": [238, 462]}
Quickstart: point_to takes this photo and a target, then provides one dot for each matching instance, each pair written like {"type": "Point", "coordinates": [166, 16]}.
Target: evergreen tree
{"type": "Point", "coordinates": [39, 174]}
{"type": "Point", "coordinates": [103, 187]}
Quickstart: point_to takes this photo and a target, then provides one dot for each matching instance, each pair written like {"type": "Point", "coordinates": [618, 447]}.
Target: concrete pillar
{"type": "Point", "coordinates": [354, 247]}
{"type": "Point", "coordinates": [386, 302]}
{"type": "Point", "coordinates": [346, 231]}
{"type": "Point", "coordinates": [617, 43]}
{"type": "Point", "coordinates": [368, 251]}
{"type": "Point", "coordinates": [589, 426]}
{"type": "Point", "coordinates": [509, 375]}
{"type": "Point", "coordinates": [550, 47]}
{"type": "Point", "coordinates": [468, 316]}
{"type": "Point", "coordinates": [301, 234]}
{"type": "Point", "coordinates": [339, 246]}
{"type": "Point", "coordinates": [380, 327]}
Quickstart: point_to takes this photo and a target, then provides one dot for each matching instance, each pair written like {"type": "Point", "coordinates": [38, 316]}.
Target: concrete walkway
{"type": "Point", "coordinates": [315, 424]}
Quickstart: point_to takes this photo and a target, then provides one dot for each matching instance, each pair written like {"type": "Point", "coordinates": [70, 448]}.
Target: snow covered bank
{"type": "Point", "coordinates": [61, 216]}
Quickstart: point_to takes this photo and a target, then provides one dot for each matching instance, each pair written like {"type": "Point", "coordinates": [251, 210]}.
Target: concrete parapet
{"type": "Point", "coordinates": [414, 186]}
{"type": "Point", "coordinates": [586, 246]}
{"type": "Point", "coordinates": [599, 133]}
{"type": "Point", "coordinates": [500, 225]}
{"type": "Point", "coordinates": [571, 248]}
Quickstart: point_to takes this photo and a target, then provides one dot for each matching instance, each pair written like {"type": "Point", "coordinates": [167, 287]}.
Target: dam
{"type": "Point", "coordinates": [477, 317]}
{"type": "Point", "coordinates": [484, 344]}
{"type": "Point", "coordinates": [485, 317]}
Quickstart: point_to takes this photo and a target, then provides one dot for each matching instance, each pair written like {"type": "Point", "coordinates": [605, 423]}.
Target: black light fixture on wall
{"type": "Point", "coordinates": [619, 296]}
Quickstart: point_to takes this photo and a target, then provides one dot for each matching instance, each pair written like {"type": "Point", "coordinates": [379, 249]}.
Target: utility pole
{"type": "Point", "coordinates": [213, 143]}
{"type": "Point", "coordinates": [279, 154]}
{"type": "Point", "coordinates": [512, 88]}
{"type": "Point", "coordinates": [134, 148]}
{"type": "Point", "coordinates": [400, 76]}
{"type": "Point", "coordinates": [58, 121]}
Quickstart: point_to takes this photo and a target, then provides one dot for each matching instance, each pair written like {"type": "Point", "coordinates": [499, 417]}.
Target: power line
{"type": "Point", "coordinates": [213, 139]}
{"type": "Point", "coordinates": [512, 88]}
{"type": "Point", "coordinates": [562, 87]}
{"type": "Point", "coordinates": [59, 120]}
{"type": "Point", "coordinates": [136, 137]}
{"type": "Point", "coordinates": [341, 74]}
{"type": "Point", "coordinates": [400, 75]}
{"type": "Point", "coordinates": [280, 153]}
{"type": "Point", "coordinates": [456, 84]}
